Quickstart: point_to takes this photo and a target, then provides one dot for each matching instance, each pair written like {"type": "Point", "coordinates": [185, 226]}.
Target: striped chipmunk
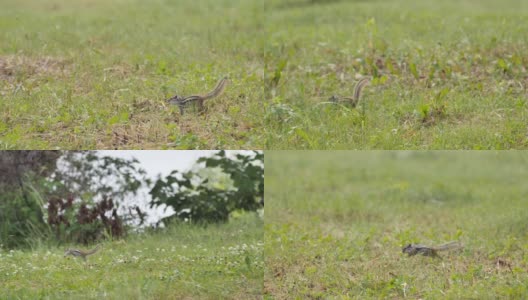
{"type": "Point", "coordinates": [81, 253]}
{"type": "Point", "coordinates": [356, 96]}
{"type": "Point", "coordinates": [414, 249]}
{"type": "Point", "coordinates": [183, 101]}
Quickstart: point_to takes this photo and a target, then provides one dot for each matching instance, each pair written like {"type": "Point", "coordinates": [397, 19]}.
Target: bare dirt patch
{"type": "Point", "coordinates": [12, 66]}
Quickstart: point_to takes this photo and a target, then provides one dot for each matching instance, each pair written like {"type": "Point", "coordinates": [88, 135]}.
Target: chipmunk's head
{"type": "Point", "coordinates": [175, 100]}
{"type": "Point", "coordinates": [407, 248]}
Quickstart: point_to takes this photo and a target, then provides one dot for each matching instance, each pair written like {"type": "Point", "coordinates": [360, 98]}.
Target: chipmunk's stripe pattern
{"type": "Point", "coordinates": [414, 249]}
{"type": "Point", "coordinates": [182, 101]}
{"type": "Point", "coordinates": [80, 253]}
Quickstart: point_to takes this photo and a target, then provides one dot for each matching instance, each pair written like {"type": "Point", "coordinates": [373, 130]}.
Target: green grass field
{"type": "Point", "coordinates": [448, 74]}
{"type": "Point", "coordinates": [94, 74]}
{"type": "Point", "coordinates": [336, 223]}
{"type": "Point", "coordinates": [218, 262]}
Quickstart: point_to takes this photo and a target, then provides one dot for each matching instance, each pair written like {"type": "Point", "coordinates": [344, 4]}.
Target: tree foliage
{"type": "Point", "coordinates": [85, 224]}
{"type": "Point", "coordinates": [194, 200]}
{"type": "Point", "coordinates": [90, 196]}
{"type": "Point", "coordinates": [91, 176]}
{"type": "Point", "coordinates": [77, 195]}
{"type": "Point", "coordinates": [14, 164]}
{"type": "Point", "coordinates": [21, 208]}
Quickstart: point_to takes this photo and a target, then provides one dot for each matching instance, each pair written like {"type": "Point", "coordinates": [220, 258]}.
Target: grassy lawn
{"type": "Point", "coordinates": [95, 74]}
{"type": "Point", "coordinates": [336, 223]}
{"type": "Point", "coordinates": [218, 262]}
{"type": "Point", "coordinates": [447, 74]}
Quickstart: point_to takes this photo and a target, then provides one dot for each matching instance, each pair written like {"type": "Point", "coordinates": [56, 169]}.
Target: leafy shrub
{"type": "Point", "coordinates": [78, 201]}
{"type": "Point", "coordinates": [81, 224]}
{"type": "Point", "coordinates": [195, 200]}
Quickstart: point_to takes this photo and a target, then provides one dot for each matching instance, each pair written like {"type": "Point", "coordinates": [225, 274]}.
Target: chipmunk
{"type": "Point", "coordinates": [354, 100]}
{"type": "Point", "coordinates": [413, 249]}
{"type": "Point", "coordinates": [182, 101]}
{"type": "Point", "coordinates": [80, 253]}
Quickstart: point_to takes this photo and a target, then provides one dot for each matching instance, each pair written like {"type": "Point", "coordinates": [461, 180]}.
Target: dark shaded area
{"type": "Point", "coordinates": [79, 202]}
{"type": "Point", "coordinates": [90, 223]}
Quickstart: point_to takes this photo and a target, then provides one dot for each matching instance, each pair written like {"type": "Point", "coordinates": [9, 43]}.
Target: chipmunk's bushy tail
{"type": "Point", "coordinates": [220, 86]}
{"type": "Point", "coordinates": [358, 89]}
{"type": "Point", "coordinates": [449, 246]}
{"type": "Point", "coordinates": [93, 250]}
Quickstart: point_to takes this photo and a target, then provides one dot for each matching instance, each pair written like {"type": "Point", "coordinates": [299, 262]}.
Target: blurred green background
{"type": "Point", "coordinates": [336, 222]}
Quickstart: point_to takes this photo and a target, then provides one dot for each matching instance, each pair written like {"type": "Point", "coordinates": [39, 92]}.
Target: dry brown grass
{"type": "Point", "coordinates": [13, 65]}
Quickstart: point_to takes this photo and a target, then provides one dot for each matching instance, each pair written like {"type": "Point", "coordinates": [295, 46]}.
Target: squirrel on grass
{"type": "Point", "coordinates": [81, 253]}
{"type": "Point", "coordinates": [183, 101]}
{"type": "Point", "coordinates": [413, 249]}
{"type": "Point", "coordinates": [356, 96]}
